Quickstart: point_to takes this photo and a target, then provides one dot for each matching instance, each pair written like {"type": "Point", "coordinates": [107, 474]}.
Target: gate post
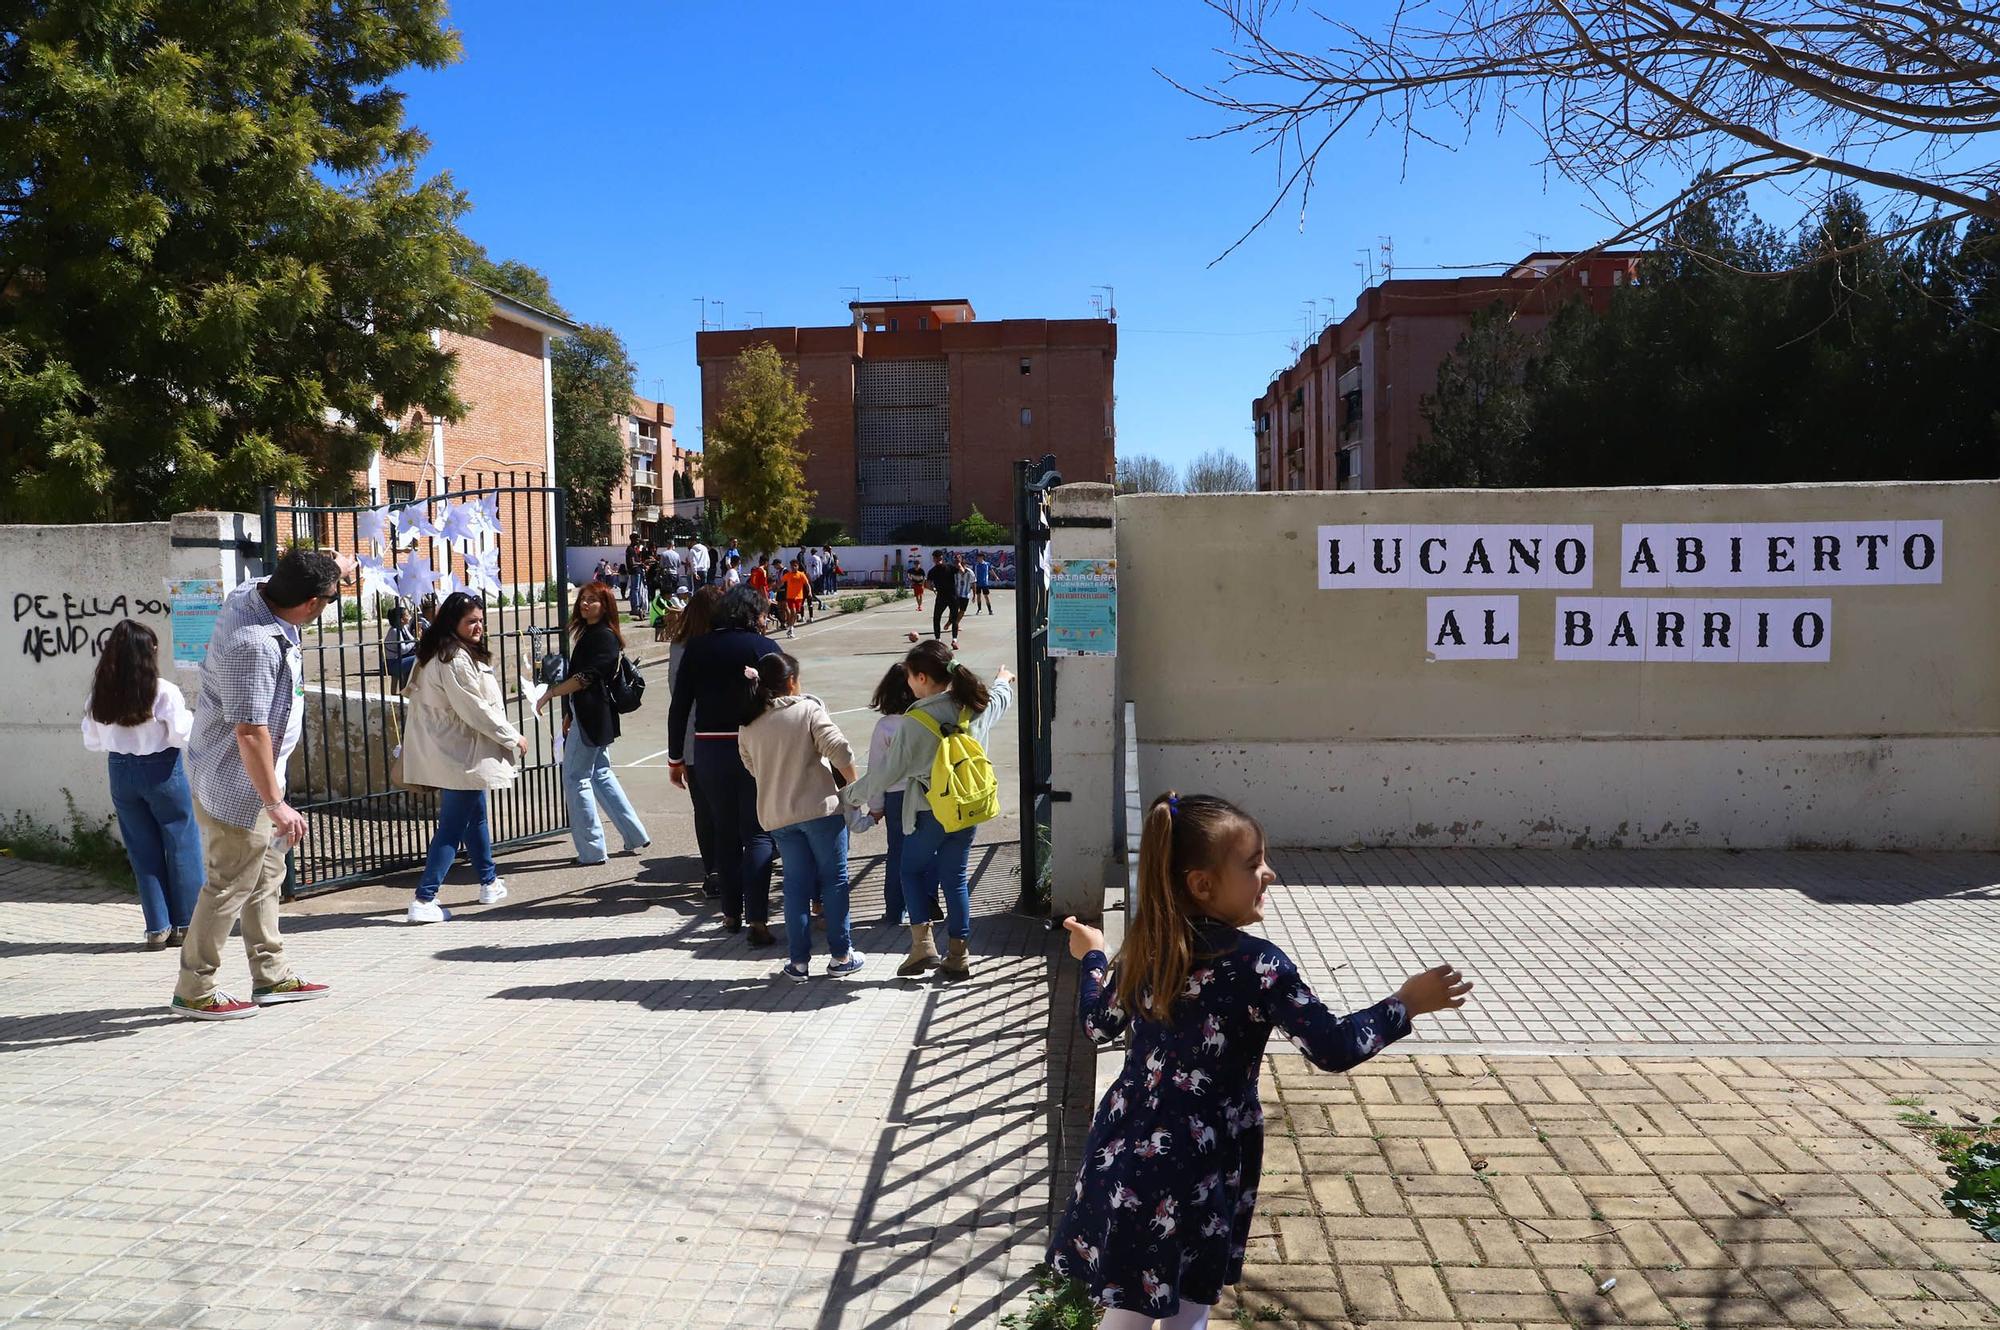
{"type": "Point", "coordinates": [1084, 739]}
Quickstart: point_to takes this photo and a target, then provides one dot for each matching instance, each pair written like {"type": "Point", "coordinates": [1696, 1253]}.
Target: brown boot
{"type": "Point", "coordinates": [923, 953]}
{"type": "Point", "coordinates": [957, 963]}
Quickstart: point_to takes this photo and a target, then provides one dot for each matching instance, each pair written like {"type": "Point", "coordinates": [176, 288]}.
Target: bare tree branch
{"type": "Point", "coordinates": [1897, 95]}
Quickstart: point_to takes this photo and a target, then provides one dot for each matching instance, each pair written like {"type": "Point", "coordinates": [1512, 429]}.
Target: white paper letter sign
{"type": "Point", "coordinates": [1456, 558]}
{"type": "Point", "coordinates": [1473, 627]}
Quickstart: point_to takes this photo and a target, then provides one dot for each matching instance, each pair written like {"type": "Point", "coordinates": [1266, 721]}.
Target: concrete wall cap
{"type": "Point", "coordinates": [1082, 499]}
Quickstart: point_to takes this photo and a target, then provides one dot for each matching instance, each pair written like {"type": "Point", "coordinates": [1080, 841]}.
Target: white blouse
{"type": "Point", "coordinates": [170, 726]}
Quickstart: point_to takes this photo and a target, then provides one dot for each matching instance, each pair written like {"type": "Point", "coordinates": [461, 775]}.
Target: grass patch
{"type": "Point", "coordinates": [1056, 1304]}
{"type": "Point", "coordinates": [86, 844]}
{"type": "Point", "coordinates": [1971, 1155]}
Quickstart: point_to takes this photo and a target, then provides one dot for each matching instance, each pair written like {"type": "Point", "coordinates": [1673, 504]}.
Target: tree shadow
{"type": "Point", "coordinates": [773, 993]}
{"type": "Point", "coordinates": [56, 1028]}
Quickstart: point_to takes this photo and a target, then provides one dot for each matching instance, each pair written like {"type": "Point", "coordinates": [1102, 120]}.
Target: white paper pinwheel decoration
{"type": "Point", "coordinates": [462, 523]}
{"type": "Point", "coordinates": [416, 520]}
{"type": "Point", "coordinates": [489, 512]}
{"type": "Point", "coordinates": [482, 570]}
{"type": "Point", "coordinates": [414, 578]}
{"type": "Point", "coordinates": [446, 585]}
{"type": "Point", "coordinates": [377, 524]}
{"type": "Point", "coordinates": [377, 580]}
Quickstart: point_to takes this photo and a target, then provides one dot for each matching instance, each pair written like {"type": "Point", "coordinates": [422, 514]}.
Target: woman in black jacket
{"type": "Point", "coordinates": [710, 690]}
{"type": "Point", "coordinates": [590, 725]}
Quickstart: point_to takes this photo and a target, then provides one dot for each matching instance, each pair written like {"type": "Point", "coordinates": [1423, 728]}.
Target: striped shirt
{"type": "Point", "coordinates": [251, 676]}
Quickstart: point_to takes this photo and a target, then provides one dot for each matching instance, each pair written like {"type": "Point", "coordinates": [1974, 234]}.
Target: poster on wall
{"type": "Point", "coordinates": [1083, 607]}
{"type": "Point", "coordinates": [193, 603]}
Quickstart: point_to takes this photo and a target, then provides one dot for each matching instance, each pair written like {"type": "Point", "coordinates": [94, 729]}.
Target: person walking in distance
{"type": "Point", "coordinates": [948, 694]}
{"type": "Point", "coordinates": [590, 727]}
{"type": "Point", "coordinates": [982, 582]}
{"type": "Point", "coordinates": [798, 596]}
{"type": "Point", "coordinates": [1162, 1211]}
{"type": "Point", "coordinates": [915, 574]}
{"type": "Point", "coordinates": [943, 580]}
{"type": "Point", "coordinates": [141, 722]}
{"type": "Point", "coordinates": [399, 647]}
{"type": "Point", "coordinates": [248, 717]}
{"type": "Point", "coordinates": [793, 750]}
{"type": "Point", "coordinates": [460, 743]}
{"type": "Point", "coordinates": [702, 727]}
{"type": "Point", "coordinates": [961, 594]}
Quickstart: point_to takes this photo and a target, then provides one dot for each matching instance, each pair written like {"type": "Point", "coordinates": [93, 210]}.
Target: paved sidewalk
{"type": "Point", "coordinates": [585, 1107]}
{"type": "Point", "coordinates": [1746, 1170]}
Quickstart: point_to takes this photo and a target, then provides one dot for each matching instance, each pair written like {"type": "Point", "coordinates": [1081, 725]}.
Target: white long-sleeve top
{"type": "Point", "coordinates": [878, 753]}
{"type": "Point", "coordinates": [169, 727]}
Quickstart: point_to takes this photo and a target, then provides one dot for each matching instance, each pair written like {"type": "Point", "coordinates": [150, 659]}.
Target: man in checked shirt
{"type": "Point", "coordinates": [247, 719]}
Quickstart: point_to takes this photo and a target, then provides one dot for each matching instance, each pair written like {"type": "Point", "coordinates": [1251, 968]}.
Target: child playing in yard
{"type": "Point", "coordinates": [1161, 1212]}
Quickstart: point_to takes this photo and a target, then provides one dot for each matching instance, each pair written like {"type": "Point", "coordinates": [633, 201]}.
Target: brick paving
{"type": "Point", "coordinates": [1680, 1073]}
{"type": "Point", "coordinates": [587, 1107]}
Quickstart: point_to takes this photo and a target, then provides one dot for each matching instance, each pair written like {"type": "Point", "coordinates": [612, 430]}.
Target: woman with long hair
{"type": "Point", "coordinates": [709, 696]}
{"type": "Point", "coordinates": [458, 741]}
{"type": "Point", "coordinates": [141, 722]}
{"type": "Point", "coordinates": [696, 620]}
{"type": "Point", "coordinates": [892, 698]}
{"type": "Point", "coordinates": [590, 726]}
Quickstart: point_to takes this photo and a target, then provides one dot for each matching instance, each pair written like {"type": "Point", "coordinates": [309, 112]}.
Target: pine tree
{"type": "Point", "coordinates": [218, 269]}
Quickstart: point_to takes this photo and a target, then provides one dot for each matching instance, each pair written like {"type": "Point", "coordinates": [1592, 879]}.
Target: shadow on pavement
{"type": "Point", "coordinates": [50, 1029]}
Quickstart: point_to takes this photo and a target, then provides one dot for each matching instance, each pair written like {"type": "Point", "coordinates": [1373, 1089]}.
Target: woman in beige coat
{"type": "Point", "coordinates": [458, 739]}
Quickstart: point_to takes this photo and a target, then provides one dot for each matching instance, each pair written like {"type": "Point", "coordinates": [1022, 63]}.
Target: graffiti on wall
{"type": "Point", "coordinates": [54, 624]}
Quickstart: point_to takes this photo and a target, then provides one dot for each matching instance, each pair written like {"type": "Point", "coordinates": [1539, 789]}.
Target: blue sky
{"type": "Point", "coordinates": [770, 154]}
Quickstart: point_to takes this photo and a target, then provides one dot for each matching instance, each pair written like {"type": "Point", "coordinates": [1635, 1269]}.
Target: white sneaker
{"type": "Point", "coordinates": [493, 892]}
{"type": "Point", "coordinates": [427, 912]}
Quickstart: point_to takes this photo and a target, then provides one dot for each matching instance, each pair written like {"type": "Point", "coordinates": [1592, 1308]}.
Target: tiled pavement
{"type": "Point", "coordinates": [585, 1107]}
{"type": "Point", "coordinates": [1473, 1179]}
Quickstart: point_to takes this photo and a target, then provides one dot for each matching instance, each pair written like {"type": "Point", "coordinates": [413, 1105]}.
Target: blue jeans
{"type": "Point", "coordinates": [586, 772]}
{"type": "Point", "coordinates": [934, 858]}
{"type": "Point", "coordinates": [156, 821]}
{"type": "Point", "coordinates": [815, 855]}
{"type": "Point", "coordinates": [461, 821]}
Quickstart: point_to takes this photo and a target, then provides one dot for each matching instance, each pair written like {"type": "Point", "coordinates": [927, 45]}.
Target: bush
{"type": "Point", "coordinates": [977, 530]}
{"type": "Point", "coordinates": [900, 593]}
{"type": "Point", "coordinates": [853, 604]}
{"type": "Point", "coordinates": [351, 612]}
{"type": "Point", "coordinates": [95, 847]}
{"type": "Point", "coordinates": [824, 531]}
{"type": "Point", "coordinates": [1056, 1304]}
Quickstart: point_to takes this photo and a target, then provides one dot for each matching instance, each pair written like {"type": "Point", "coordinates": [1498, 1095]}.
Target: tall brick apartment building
{"type": "Point", "coordinates": [919, 410]}
{"type": "Point", "coordinates": [662, 480]}
{"type": "Point", "coordinates": [1348, 414]}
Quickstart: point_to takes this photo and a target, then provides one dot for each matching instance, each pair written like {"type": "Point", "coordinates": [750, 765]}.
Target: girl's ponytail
{"type": "Point", "coordinates": [1159, 946]}
{"type": "Point", "coordinates": [933, 660]}
{"type": "Point", "coordinates": [768, 680]}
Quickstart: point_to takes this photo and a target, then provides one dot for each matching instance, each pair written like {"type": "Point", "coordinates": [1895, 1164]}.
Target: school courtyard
{"type": "Point", "coordinates": [589, 1107]}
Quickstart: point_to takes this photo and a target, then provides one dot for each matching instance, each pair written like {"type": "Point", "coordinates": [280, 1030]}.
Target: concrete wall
{"type": "Point", "coordinates": [65, 588]}
{"type": "Point", "coordinates": [1322, 713]}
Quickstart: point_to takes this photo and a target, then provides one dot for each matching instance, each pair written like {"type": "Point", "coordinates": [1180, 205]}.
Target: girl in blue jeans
{"type": "Point", "coordinates": [142, 722]}
{"type": "Point", "coordinates": [892, 698]}
{"type": "Point", "coordinates": [458, 741]}
{"type": "Point", "coordinates": [950, 694]}
{"type": "Point", "coordinates": [791, 748]}
{"type": "Point", "coordinates": [590, 727]}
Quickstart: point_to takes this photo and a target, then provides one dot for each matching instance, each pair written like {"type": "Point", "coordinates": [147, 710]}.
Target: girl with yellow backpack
{"type": "Point", "coordinates": [940, 751]}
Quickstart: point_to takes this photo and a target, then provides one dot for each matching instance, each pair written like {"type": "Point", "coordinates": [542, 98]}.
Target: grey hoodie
{"type": "Point", "coordinates": [914, 749]}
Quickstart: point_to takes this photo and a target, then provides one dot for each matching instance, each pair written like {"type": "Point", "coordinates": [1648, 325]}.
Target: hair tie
{"type": "Point", "coordinates": [750, 673]}
{"type": "Point", "coordinates": [956, 666]}
{"type": "Point", "coordinates": [1173, 805]}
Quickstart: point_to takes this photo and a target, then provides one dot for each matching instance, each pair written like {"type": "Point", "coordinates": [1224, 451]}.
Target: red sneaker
{"type": "Point", "coordinates": [220, 1007]}
{"type": "Point", "coordinates": [294, 989]}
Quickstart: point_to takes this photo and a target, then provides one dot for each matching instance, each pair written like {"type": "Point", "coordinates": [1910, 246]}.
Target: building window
{"type": "Point", "coordinates": [402, 491]}
{"type": "Point", "coordinates": [892, 325]}
{"type": "Point", "coordinates": [1027, 416]}
{"type": "Point", "coordinates": [923, 323]}
{"type": "Point", "coordinates": [1027, 365]}
{"type": "Point", "coordinates": [1618, 277]}
{"type": "Point", "coordinates": [1583, 276]}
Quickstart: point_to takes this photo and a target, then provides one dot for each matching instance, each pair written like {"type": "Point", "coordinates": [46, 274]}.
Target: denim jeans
{"type": "Point", "coordinates": [461, 822]}
{"type": "Point", "coordinates": [156, 821]}
{"type": "Point", "coordinates": [742, 846]}
{"type": "Point", "coordinates": [587, 773]}
{"type": "Point", "coordinates": [815, 855]}
{"type": "Point", "coordinates": [934, 858]}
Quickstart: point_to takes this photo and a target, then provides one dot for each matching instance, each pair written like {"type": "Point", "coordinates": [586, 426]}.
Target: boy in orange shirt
{"type": "Point", "coordinates": [797, 587]}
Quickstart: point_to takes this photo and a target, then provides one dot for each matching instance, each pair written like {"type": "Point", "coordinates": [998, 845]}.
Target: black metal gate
{"type": "Point", "coordinates": [1035, 697]}
{"type": "Point", "coordinates": [501, 537]}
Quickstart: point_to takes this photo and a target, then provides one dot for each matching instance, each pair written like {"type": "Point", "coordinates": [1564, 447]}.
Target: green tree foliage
{"type": "Point", "coordinates": [750, 455]}
{"type": "Point", "coordinates": [590, 389]}
{"type": "Point", "coordinates": [975, 529]}
{"type": "Point", "coordinates": [1479, 413]}
{"type": "Point", "coordinates": [1745, 357]}
{"type": "Point", "coordinates": [218, 269]}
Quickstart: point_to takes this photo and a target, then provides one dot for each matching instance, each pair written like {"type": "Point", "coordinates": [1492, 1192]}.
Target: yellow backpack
{"type": "Point", "coordinates": [964, 791]}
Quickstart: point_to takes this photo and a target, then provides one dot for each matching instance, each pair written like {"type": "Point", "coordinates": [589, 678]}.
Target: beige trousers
{"type": "Point", "coordinates": [246, 871]}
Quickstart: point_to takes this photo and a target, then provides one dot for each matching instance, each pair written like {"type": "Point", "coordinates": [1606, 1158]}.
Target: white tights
{"type": "Point", "coordinates": [1191, 1316]}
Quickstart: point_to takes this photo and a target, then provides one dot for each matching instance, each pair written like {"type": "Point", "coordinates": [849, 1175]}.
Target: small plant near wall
{"type": "Point", "coordinates": [1057, 1303]}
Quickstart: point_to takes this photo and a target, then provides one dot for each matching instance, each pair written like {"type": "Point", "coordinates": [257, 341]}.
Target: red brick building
{"type": "Point", "coordinates": [919, 410]}
{"type": "Point", "coordinates": [649, 495]}
{"type": "Point", "coordinates": [1348, 414]}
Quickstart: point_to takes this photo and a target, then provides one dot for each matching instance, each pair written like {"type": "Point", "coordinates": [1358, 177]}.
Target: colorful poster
{"type": "Point", "coordinates": [193, 604]}
{"type": "Point", "coordinates": [1083, 607]}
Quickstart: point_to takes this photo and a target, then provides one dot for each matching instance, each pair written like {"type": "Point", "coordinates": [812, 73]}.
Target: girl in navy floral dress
{"type": "Point", "coordinates": [1161, 1212]}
